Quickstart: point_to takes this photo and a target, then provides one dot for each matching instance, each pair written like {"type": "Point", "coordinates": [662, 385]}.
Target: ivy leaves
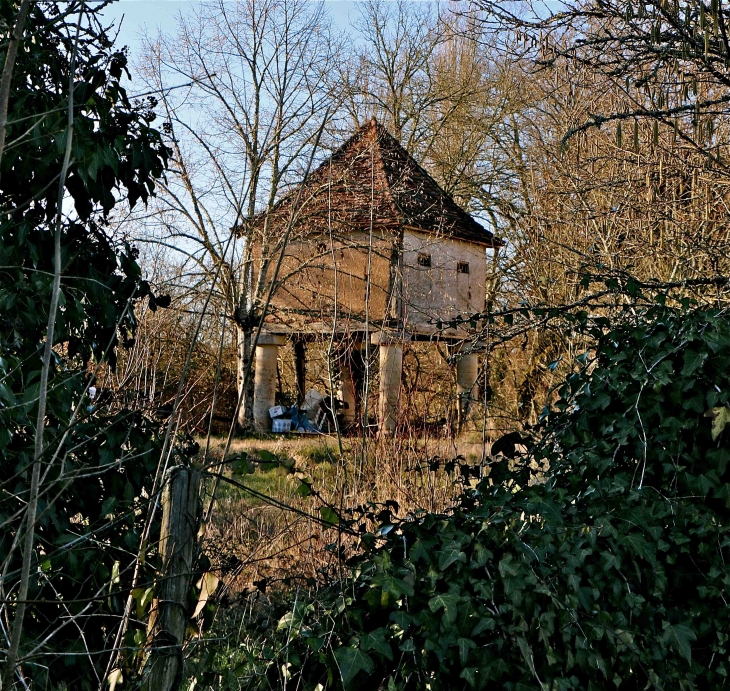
{"type": "Point", "coordinates": [720, 417]}
{"type": "Point", "coordinates": [351, 661]}
{"type": "Point", "coordinates": [448, 603]}
{"type": "Point", "coordinates": [607, 572]}
{"type": "Point", "coordinates": [679, 636]}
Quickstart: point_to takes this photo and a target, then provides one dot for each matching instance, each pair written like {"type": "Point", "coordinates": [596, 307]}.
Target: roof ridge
{"type": "Point", "coordinates": [376, 143]}
{"type": "Point", "coordinates": [410, 159]}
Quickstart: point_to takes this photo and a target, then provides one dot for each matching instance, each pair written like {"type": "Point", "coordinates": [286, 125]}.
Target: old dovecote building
{"type": "Point", "coordinates": [377, 253]}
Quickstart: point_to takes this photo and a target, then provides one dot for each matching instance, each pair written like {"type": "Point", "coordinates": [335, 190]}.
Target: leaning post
{"type": "Point", "coordinates": [178, 539]}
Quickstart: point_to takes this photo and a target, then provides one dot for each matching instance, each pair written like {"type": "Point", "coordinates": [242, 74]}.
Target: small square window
{"type": "Point", "coordinates": [462, 267]}
{"type": "Point", "coordinates": [424, 259]}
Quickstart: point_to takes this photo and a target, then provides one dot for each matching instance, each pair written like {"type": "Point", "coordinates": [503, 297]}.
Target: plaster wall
{"type": "Point", "coordinates": [441, 291]}
{"type": "Point", "coordinates": [306, 299]}
{"type": "Point", "coordinates": [311, 267]}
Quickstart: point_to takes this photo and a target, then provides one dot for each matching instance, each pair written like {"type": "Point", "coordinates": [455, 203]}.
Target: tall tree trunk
{"type": "Point", "coordinates": [244, 354]}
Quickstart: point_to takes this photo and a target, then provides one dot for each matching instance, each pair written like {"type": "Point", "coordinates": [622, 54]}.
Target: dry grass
{"type": "Point", "coordinates": [251, 541]}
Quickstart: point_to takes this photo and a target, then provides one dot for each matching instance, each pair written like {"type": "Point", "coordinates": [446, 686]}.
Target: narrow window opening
{"type": "Point", "coordinates": [424, 259]}
{"type": "Point", "coordinates": [462, 268]}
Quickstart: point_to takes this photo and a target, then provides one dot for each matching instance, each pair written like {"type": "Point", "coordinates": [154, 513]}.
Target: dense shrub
{"type": "Point", "coordinates": [606, 570]}
{"type": "Point", "coordinates": [93, 536]}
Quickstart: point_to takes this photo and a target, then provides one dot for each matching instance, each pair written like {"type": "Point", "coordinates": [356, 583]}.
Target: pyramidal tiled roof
{"type": "Point", "coordinates": [372, 180]}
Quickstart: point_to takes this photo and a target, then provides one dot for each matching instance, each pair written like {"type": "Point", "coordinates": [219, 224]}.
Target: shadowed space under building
{"type": "Point", "coordinates": [377, 254]}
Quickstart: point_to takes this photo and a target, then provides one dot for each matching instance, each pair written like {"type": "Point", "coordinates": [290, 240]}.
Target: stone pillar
{"type": "Point", "coordinates": [264, 383]}
{"type": "Point", "coordinates": [467, 372]}
{"type": "Point", "coordinates": [391, 369]}
{"type": "Point", "coordinates": [347, 395]}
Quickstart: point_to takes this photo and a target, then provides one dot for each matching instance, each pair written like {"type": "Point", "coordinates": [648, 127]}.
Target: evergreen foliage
{"type": "Point", "coordinates": [98, 466]}
{"type": "Point", "coordinates": [599, 561]}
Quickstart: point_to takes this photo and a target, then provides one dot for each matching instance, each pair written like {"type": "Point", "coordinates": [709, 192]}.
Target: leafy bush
{"type": "Point", "coordinates": [608, 570]}
{"type": "Point", "coordinates": [93, 537]}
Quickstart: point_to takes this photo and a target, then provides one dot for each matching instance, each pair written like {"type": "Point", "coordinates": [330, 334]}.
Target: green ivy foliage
{"type": "Point", "coordinates": [599, 562]}
{"type": "Point", "coordinates": [97, 480]}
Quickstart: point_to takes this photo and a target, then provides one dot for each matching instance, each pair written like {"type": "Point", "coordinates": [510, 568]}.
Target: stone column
{"type": "Point", "coordinates": [391, 369]}
{"type": "Point", "coordinates": [264, 383]}
{"type": "Point", "coordinates": [467, 372]}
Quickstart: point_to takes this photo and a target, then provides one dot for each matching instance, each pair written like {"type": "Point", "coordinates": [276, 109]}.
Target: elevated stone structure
{"type": "Point", "coordinates": [378, 252]}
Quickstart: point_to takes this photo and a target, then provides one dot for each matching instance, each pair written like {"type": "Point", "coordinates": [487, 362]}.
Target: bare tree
{"type": "Point", "coordinates": [391, 76]}
{"type": "Point", "coordinates": [242, 128]}
{"type": "Point", "coordinates": [618, 156]}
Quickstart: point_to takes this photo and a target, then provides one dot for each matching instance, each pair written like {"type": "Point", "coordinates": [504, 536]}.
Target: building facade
{"type": "Point", "coordinates": [376, 253]}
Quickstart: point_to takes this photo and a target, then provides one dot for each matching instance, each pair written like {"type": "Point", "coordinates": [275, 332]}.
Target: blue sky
{"type": "Point", "coordinates": [135, 15]}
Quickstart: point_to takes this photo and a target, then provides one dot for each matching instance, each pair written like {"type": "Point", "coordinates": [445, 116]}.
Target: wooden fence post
{"type": "Point", "coordinates": [178, 535]}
